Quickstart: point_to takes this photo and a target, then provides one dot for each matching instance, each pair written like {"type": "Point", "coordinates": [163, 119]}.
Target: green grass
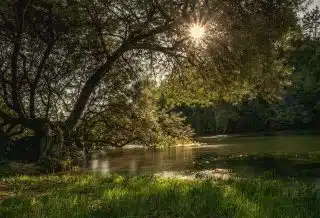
{"type": "Point", "coordinates": [89, 195]}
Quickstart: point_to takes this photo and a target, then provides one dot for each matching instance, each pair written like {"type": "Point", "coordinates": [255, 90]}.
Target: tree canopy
{"type": "Point", "coordinates": [65, 63]}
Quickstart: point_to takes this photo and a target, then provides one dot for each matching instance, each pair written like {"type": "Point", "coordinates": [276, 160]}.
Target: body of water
{"type": "Point", "coordinates": [140, 160]}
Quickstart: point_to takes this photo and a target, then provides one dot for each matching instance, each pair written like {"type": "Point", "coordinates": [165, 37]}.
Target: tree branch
{"type": "Point", "coordinates": [91, 84]}
{"type": "Point", "coordinates": [35, 83]}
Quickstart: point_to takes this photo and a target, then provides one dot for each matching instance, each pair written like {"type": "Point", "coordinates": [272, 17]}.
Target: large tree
{"type": "Point", "coordinates": [60, 59]}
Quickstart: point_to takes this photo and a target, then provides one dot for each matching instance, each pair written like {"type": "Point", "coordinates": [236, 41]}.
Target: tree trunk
{"type": "Point", "coordinates": [50, 140]}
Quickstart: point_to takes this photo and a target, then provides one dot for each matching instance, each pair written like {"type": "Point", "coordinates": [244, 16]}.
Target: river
{"type": "Point", "coordinates": [182, 159]}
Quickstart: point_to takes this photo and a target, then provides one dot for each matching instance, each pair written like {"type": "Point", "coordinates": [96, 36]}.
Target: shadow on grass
{"type": "Point", "coordinates": [146, 196]}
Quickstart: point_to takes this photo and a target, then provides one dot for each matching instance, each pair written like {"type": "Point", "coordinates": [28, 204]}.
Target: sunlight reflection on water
{"type": "Point", "coordinates": [196, 158]}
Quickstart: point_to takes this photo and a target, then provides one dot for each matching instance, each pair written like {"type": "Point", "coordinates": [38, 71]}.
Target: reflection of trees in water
{"type": "Point", "coordinates": [94, 164]}
{"type": "Point", "coordinates": [133, 166]}
{"type": "Point", "coordinates": [105, 166]}
{"type": "Point", "coordinates": [133, 161]}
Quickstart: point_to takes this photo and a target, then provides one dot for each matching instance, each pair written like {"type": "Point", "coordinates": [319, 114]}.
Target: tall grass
{"type": "Point", "coordinates": [90, 195]}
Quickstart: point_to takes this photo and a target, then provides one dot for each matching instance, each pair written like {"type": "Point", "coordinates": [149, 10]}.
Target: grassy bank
{"type": "Point", "coordinates": [90, 195]}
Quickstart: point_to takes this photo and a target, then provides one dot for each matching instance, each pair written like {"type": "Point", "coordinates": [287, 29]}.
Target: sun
{"type": "Point", "coordinates": [197, 31]}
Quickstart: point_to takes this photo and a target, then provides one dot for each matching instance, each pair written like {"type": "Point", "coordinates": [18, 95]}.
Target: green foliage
{"type": "Point", "coordinates": [281, 93]}
{"type": "Point", "coordinates": [245, 60]}
{"type": "Point", "coordinates": [172, 129]}
{"type": "Point", "coordinates": [298, 107]}
{"type": "Point", "coordinates": [137, 119]}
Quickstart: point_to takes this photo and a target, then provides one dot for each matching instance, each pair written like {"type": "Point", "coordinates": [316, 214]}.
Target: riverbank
{"type": "Point", "coordinates": [254, 185]}
{"type": "Point", "coordinates": [261, 133]}
{"type": "Point", "coordinates": [93, 195]}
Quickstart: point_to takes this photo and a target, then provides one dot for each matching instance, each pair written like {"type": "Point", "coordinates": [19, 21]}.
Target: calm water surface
{"type": "Point", "coordinates": [140, 160]}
